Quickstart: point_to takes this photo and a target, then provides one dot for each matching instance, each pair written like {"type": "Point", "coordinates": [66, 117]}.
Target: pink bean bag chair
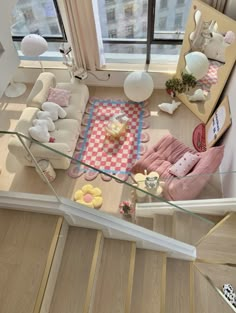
{"type": "Point", "coordinates": [167, 152]}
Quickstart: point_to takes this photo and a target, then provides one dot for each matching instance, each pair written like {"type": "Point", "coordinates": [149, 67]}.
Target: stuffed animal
{"type": "Point", "coordinates": [199, 95]}
{"type": "Point", "coordinates": [39, 131]}
{"type": "Point", "coordinates": [48, 121]}
{"type": "Point", "coordinates": [54, 109]}
{"type": "Point", "coordinates": [169, 107]}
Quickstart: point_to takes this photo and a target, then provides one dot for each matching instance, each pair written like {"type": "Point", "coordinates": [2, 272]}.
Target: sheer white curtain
{"type": "Point", "coordinates": [85, 33]}
{"type": "Point", "coordinates": [217, 4]}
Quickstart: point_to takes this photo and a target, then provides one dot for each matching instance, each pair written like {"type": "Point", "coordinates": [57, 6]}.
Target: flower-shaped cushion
{"type": "Point", "coordinates": [89, 196]}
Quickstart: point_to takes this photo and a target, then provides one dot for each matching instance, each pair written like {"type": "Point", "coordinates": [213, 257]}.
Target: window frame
{"type": "Point", "coordinates": [62, 38]}
{"type": "Point", "coordinates": [151, 40]}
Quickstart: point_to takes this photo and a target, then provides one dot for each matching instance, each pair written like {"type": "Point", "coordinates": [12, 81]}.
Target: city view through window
{"type": "Point", "coordinates": [128, 19]}
{"type": "Point", "coordinates": [124, 26]}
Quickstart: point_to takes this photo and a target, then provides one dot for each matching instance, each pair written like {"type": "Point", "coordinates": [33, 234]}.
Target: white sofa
{"type": "Point", "coordinates": [67, 130]}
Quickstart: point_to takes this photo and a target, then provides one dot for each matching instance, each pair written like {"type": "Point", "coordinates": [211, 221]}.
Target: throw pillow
{"type": "Point", "coordinates": [59, 96]}
{"type": "Point", "coordinates": [184, 165]}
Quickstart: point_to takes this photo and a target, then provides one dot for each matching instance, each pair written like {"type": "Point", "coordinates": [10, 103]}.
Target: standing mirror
{"type": "Point", "coordinates": [209, 54]}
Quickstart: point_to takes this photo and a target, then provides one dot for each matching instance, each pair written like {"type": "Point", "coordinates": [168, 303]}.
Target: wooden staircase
{"type": "Point", "coordinates": [47, 266]}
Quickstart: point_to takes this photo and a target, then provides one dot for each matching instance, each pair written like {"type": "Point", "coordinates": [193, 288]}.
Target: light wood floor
{"type": "Point", "coordinates": [14, 177]}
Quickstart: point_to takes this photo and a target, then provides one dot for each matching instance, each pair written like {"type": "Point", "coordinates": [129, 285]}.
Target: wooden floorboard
{"type": "Point", "coordinates": [163, 224]}
{"type": "Point", "coordinates": [73, 277]}
{"type": "Point", "coordinates": [220, 244]}
{"type": "Point", "coordinates": [149, 282]}
{"type": "Point", "coordinates": [113, 278]}
{"type": "Point", "coordinates": [219, 274]}
{"type": "Point", "coordinates": [25, 243]}
{"type": "Point", "coordinates": [178, 286]}
{"type": "Point", "coordinates": [189, 228]}
{"type": "Point", "coordinates": [145, 222]}
{"type": "Point", "coordinates": [206, 298]}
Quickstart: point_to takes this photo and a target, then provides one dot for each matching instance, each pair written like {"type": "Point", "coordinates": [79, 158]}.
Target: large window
{"type": "Point", "coordinates": [153, 28]}
{"type": "Point", "coordinates": [40, 17]}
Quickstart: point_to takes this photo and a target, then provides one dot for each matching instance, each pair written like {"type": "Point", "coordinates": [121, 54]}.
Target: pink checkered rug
{"type": "Point", "coordinates": [114, 156]}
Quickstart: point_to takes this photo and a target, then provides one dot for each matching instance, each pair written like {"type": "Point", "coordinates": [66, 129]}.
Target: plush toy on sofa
{"type": "Point", "coordinates": [39, 131]}
{"type": "Point", "coordinates": [54, 109]}
{"type": "Point", "coordinates": [45, 116]}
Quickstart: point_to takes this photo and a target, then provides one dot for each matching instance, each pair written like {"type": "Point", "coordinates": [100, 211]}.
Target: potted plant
{"type": "Point", "coordinates": [126, 208]}
{"type": "Point", "coordinates": [180, 85]}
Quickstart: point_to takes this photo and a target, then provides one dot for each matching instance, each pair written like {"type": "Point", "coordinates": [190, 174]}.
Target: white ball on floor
{"type": "Point", "coordinates": [138, 86]}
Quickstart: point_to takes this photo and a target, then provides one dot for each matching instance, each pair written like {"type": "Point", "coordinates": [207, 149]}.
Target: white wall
{"type": "Point", "coordinates": [229, 162]}
{"type": "Point", "coordinates": [9, 59]}
{"type": "Point", "coordinates": [29, 75]}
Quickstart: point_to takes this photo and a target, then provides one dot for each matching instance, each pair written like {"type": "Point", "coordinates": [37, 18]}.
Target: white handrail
{"type": "Point", "coordinates": [112, 227]}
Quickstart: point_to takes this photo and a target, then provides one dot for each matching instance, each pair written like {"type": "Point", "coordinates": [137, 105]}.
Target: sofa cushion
{"type": "Point", "coordinates": [39, 92]}
{"type": "Point", "coordinates": [59, 96]}
{"type": "Point", "coordinates": [78, 99]}
{"type": "Point", "coordinates": [184, 165]}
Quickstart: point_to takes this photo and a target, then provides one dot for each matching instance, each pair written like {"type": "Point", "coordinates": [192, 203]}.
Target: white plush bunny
{"type": "Point", "coordinates": [199, 95]}
{"type": "Point", "coordinates": [54, 109]}
{"type": "Point", "coordinates": [44, 115]}
{"type": "Point", "coordinates": [39, 131]}
{"type": "Point", "coordinates": [169, 107]}
{"type": "Point", "coordinates": [48, 121]}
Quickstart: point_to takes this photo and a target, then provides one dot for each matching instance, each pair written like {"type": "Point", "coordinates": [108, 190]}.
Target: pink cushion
{"type": "Point", "coordinates": [184, 165]}
{"type": "Point", "coordinates": [59, 96]}
{"type": "Point", "coordinates": [168, 151]}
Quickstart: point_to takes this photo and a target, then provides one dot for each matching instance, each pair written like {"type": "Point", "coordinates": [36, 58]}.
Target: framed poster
{"type": "Point", "coordinates": [219, 122]}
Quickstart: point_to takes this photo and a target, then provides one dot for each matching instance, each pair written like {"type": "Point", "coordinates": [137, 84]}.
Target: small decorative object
{"type": "Point", "coordinates": [126, 208]}
{"type": "Point", "coordinates": [138, 86]}
{"type": "Point", "coordinates": [169, 107]}
{"type": "Point", "coordinates": [89, 196]}
{"type": "Point", "coordinates": [151, 182]}
{"type": "Point", "coordinates": [199, 95]}
{"type": "Point", "coordinates": [196, 64]}
{"type": "Point", "coordinates": [180, 85]}
{"type": "Point", "coordinates": [47, 170]}
{"type": "Point", "coordinates": [229, 293]}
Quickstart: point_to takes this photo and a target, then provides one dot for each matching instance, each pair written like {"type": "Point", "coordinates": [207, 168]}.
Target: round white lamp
{"type": "Point", "coordinates": [197, 64]}
{"type": "Point", "coordinates": [138, 86]}
{"type": "Point", "coordinates": [34, 45]}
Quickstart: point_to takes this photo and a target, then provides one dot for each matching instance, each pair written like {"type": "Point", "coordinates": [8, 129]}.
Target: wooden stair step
{"type": "Point", "coordinates": [114, 284]}
{"type": "Point", "coordinates": [149, 282]}
{"type": "Point", "coordinates": [207, 299]}
{"type": "Point", "coordinates": [146, 222]}
{"type": "Point", "coordinates": [27, 245]}
{"type": "Point", "coordinates": [73, 290]}
{"type": "Point", "coordinates": [189, 228]}
{"type": "Point", "coordinates": [219, 274]}
{"type": "Point", "coordinates": [163, 224]}
{"type": "Point", "coordinates": [179, 286]}
{"type": "Point", "coordinates": [219, 245]}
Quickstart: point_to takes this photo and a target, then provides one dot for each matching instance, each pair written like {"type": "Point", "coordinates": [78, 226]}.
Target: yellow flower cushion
{"type": "Point", "coordinates": [89, 196]}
